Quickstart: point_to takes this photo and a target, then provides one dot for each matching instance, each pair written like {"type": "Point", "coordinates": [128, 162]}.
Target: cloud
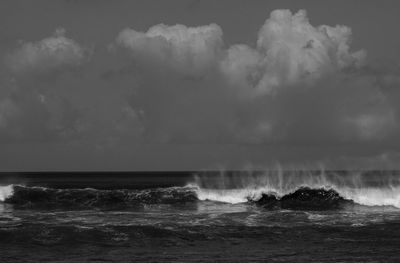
{"type": "Point", "coordinates": [290, 51]}
{"type": "Point", "coordinates": [55, 53]}
{"type": "Point", "coordinates": [29, 117]}
{"type": "Point", "coordinates": [299, 84]}
{"type": "Point", "coordinates": [30, 106]}
{"type": "Point", "coordinates": [193, 50]}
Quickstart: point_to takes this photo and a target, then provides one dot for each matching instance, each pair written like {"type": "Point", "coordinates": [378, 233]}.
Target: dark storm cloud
{"type": "Point", "coordinates": [126, 77]}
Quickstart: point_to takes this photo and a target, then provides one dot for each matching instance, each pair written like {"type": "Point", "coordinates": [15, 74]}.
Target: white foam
{"type": "Point", "coordinates": [245, 187]}
{"type": "Point", "coordinates": [5, 192]}
{"type": "Point", "coordinates": [229, 196]}
{"type": "Point", "coordinates": [384, 196]}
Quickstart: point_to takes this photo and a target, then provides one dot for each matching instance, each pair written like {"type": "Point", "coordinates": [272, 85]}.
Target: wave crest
{"type": "Point", "coordinates": [368, 188]}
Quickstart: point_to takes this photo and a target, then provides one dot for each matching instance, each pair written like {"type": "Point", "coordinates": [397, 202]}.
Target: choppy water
{"type": "Point", "coordinates": [234, 217]}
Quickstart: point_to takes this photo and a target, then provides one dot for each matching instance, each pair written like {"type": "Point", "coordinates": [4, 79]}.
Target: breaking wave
{"type": "Point", "coordinates": [372, 188]}
{"type": "Point", "coordinates": [274, 189]}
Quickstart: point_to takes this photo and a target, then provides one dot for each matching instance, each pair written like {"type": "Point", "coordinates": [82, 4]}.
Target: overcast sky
{"type": "Point", "coordinates": [188, 85]}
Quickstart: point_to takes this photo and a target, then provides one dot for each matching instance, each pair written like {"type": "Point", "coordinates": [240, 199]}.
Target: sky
{"type": "Point", "coordinates": [192, 85]}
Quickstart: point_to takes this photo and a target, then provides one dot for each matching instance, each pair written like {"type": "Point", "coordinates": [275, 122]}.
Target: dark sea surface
{"type": "Point", "coordinates": [274, 216]}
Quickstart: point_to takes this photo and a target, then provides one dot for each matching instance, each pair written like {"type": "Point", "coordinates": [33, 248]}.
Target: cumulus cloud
{"type": "Point", "coordinates": [30, 107]}
{"type": "Point", "coordinates": [299, 84]}
{"type": "Point", "coordinates": [49, 54]}
{"type": "Point", "coordinates": [193, 50]}
{"type": "Point", "coordinates": [290, 51]}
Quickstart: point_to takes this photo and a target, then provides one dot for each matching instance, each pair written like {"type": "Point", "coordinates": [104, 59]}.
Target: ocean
{"type": "Point", "coordinates": [231, 216]}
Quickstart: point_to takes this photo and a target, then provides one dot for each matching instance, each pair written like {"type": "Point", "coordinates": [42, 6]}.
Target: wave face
{"type": "Point", "coordinates": [365, 188]}
{"type": "Point", "coordinates": [305, 199]}
{"type": "Point", "coordinates": [41, 197]}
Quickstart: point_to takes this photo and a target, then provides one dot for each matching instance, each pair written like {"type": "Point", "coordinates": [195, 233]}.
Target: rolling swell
{"type": "Point", "coordinates": [41, 197]}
